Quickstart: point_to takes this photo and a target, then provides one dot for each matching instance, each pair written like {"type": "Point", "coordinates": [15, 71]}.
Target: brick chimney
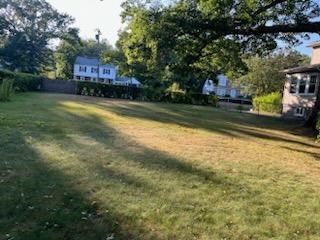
{"type": "Point", "coordinates": [315, 59]}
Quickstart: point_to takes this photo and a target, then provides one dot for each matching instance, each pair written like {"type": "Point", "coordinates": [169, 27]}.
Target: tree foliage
{"type": "Point", "coordinates": [26, 28]}
{"type": "Point", "coordinates": [188, 40]}
{"type": "Point", "coordinates": [265, 74]}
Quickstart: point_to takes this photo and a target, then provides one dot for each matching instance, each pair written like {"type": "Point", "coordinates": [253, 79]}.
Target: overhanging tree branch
{"type": "Point", "coordinates": [311, 27]}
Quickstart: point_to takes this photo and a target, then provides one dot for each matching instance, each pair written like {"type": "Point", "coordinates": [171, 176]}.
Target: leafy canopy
{"type": "Point", "coordinates": [186, 40]}
{"type": "Point", "coordinates": [26, 28]}
{"type": "Point", "coordinates": [265, 74]}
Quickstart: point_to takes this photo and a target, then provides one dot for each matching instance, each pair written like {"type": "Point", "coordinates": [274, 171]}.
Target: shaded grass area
{"type": "Point", "coordinates": [87, 168]}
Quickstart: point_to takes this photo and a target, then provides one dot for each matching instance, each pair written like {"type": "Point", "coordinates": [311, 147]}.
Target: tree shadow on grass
{"type": "Point", "coordinates": [215, 120]}
{"type": "Point", "coordinates": [132, 151]}
{"type": "Point", "coordinates": [39, 201]}
{"type": "Point", "coordinates": [42, 201]}
{"type": "Point", "coordinates": [315, 155]}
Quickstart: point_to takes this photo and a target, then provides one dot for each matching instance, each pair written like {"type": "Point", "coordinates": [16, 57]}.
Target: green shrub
{"type": "Point", "coordinates": [203, 99]}
{"type": "Point", "coordinates": [268, 103]}
{"type": "Point", "coordinates": [111, 91]}
{"type": "Point", "coordinates": [177, 96]}
{"type": "Point", "coordinates": [213, 100]}
{"type": "Point", "coordinates": [6, 90]}
{"type": "Point", "coordinates": [240, 108]}
{"type": "Point", "coordinates": [153, 94]}
{"type": "Point", "coordinates": [23, 82]}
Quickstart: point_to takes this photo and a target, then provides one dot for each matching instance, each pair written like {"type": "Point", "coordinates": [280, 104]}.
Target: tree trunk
{"type": "Point", "coordinates": [312, 120]}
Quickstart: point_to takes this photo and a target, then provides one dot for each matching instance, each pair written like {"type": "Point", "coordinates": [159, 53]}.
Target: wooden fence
{"type": "Point", "coordinates": [59, 86]}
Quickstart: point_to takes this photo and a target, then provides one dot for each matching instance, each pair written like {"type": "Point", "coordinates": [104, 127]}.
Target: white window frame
{"type": "Point", "coordinates": [106, 71]}
{"type": "Point", "coordinates": [299, 112]}
{"type": "Point", "coordinates": [82, 68]}
{"type": "Point", "coordinates": [296, 85]}
{"type": "Point", "coordinates": [94, 70]}
{"type": "Point", "coordinates": [316, 85]}
{"type": "Point", "coordinates": [306, 91]}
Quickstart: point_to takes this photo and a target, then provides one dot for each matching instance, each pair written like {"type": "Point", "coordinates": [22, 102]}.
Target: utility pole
{"type": "Point", "coordinates": [98, 34]}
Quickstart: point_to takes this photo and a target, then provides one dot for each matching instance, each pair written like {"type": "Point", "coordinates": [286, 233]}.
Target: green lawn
{"type": "Point", "coordinates": [89, 168]}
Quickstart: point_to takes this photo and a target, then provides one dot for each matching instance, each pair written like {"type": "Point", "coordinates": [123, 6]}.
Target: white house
{"type": "Point", "coordinates": [92, 70]}
{"type": "Point", "coordinates": [127, 81]}
{"type": "Point", "coordinates": [222, 89]}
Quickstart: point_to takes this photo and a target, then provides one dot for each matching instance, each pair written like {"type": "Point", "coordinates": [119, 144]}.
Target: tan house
{"type": "Point", "coordinates": [300, 90]}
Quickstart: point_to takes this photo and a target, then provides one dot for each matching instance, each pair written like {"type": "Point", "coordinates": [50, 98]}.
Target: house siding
{"type": "Point", "coordinates": [292, 101]}
{"type": "Point", "coordinates": [222, 89]}
{"type": "Point", "coordinates": [94, 75]}
{"type": "Point", "coordinates": [315, 59]}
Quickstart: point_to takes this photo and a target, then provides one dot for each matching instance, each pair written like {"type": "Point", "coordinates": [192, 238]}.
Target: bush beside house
{"type": "Point", "coordinates": [268, 103]}
{"type": "Point", "coordinates": [177, 96]}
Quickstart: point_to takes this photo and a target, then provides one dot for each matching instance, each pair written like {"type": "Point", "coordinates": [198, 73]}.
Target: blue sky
{"type": "Point", "coordinates": [105, 15]}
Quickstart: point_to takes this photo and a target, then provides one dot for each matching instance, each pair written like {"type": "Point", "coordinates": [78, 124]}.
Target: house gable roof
{"type": "Point", "coordinates": [314, 44]}
{"type": "Point", "coordinates": [303, 69]}
{"type": "Point", "coordinates": [128, 80]}
{"type": "Point", "coordinates": [91, 61]}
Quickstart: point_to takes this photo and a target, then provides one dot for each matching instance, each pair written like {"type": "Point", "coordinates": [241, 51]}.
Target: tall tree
{"type": "Point", "coordinates": [265, 73]}
{"type": "Point", "coordinates": [212, 35]}
{"type": "Point", "coordinates": [91, 48]}
{"type": "Point", "coordinates": [29, 26]}
{"type": "Point", "coordinates": [66, 53]}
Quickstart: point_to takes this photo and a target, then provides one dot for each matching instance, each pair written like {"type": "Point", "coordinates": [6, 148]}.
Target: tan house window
{"type": "Point", "coordinates": [302, 85]}
{"type": "Point", "coordinates": [293, 85]}
{"type": "Point", "coordinates": [312, 84]}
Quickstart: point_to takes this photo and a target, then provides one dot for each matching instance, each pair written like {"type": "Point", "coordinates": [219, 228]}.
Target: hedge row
{"type": "Point", "coordinates": [125, 92]}
{"type": "Point", "coordinates": [268, 103]}
{"type": "Point", "coordinates": [190, 98]}
{"type": "Point", "coordinates": [111, 91]}
{"type": "Point", "coordinates": [22, 82]}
